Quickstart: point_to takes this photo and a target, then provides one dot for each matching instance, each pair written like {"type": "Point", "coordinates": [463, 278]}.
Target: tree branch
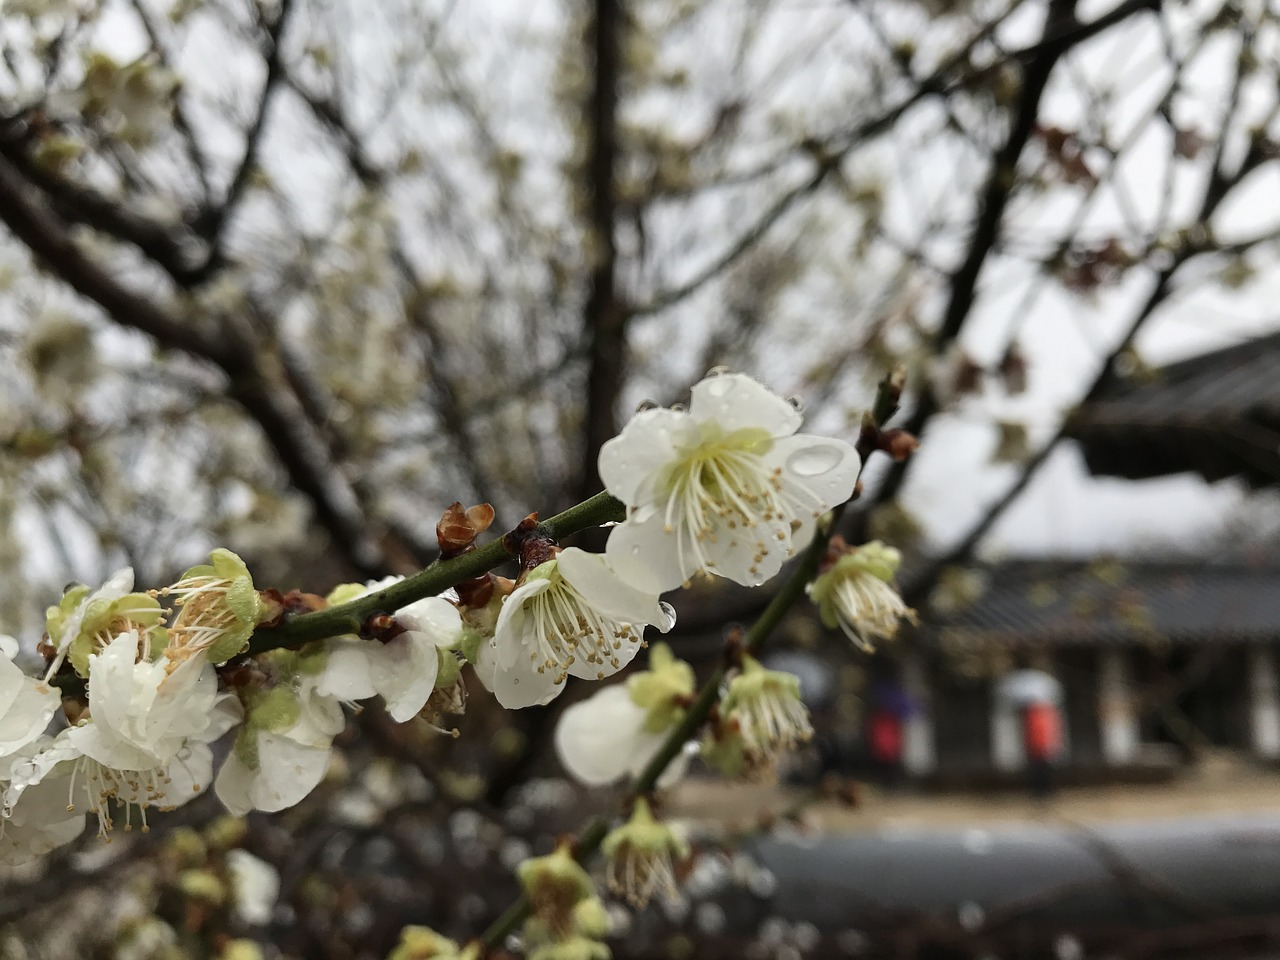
{"type": "Point", "coordinates": [604, 318]}
{"type": "Point", "coordinates": [245, 361]}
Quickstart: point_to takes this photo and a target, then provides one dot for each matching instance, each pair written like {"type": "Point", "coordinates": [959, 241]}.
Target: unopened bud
{"type": "Point", "coordinates": [458, 528]}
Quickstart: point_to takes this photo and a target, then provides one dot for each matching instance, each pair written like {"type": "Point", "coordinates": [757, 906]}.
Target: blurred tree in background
{"type": "Point", "coordinates": [292, 276]}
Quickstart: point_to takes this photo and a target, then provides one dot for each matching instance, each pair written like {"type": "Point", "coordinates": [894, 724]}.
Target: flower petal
{"type": "Point", "coordinates": [600, 739]}
{"type": "Point", "coordinates": [404, 673]}
{"type": "Point", "coordinates": [734, 401]}
{"type": "Point", "coordinates": [646, 555]}
{"type": "Point", "coordinates": [346, 673]}
{"type": "Point", "coordinates": [434, 616]}
{"type": "Point", "coordinates": [817, 470]}
{"type": "Point", "coordinates": [521, 685]}
{"type": "Point", "coordinates": [591, 575]}
{"type": "Point", "coordinates": [630, 463]}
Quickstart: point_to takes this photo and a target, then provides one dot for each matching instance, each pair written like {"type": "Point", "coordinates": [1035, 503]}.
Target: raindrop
{"type": "Point", "coordinates": [813, 461]}
{"type": "Point", "coordinates": [719, 386]}
{"type": "Point", "coordinates": [678, 407]}
{"type": "Point", "coordinates": [644, 405]}
{"type": "Point", "coordinates": [978, 841]}
{"type": "Point", "coordinates": [718, 371]}
{"type": "Point", "coordinates": [797, 404]}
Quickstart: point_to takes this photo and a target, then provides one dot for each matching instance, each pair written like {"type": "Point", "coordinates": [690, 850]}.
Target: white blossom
{"type": "Point", "coordinates": [40, 822]}
{"type": "Point", "coordinates": [618, 730]}
{"type": "Point", "coordinates": [572, 615]}
{"type": "Point", "coordinates": [26, 704]}
{"type": "Point", "coordinates": [282, 751]}
{"type": "Point", "coordinates": [727, 488]}
{"type": "Point", "coordinates": [64, 621]}
{"type": "Point", "coordinates": [144, 740]}
{"type": "Point", "coordinates": [402, 669]}
{"type": "Point", "coordinates": [603, 739]}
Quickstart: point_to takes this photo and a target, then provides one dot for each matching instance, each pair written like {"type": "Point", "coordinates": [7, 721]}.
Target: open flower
{"type": "Point", "coordinates": [856, 593]}
{"type": "Point", "coordinates": [403, 668]}
{"type": "Point", "coordinates": [572, 615]}
{"type": "Point", "coordinates": [282, 750]}
{"type": "Point", "coordinates": [217, 609]}
{"type": "Point", "coordinates": [640, 857]}
{"type": "Point", "coordinates": [39, 821]}
{"type": "Point", "coordinates": [762, 718]}
{"type": "Point", "coordinates": [63, 622]}
{"type": "Point", "coordinates": [143, 741]}
{"type": "Point", "coordinates": [615, 732]}
{"type": "Point", "coordinates": [728, 488]}
{"type": "Point", "coordinates": [26, 704]}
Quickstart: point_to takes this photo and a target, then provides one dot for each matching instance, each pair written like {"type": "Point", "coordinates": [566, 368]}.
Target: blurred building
{"type": "Point", "coordinates": [1156, 662]}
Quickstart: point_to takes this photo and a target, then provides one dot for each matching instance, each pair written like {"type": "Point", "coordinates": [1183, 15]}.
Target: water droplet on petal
{"type": "Point", "coordinates": [678, 407]}
{"type": "Point", "coordinates": [644, 405]}
{"type": "Point", "coordinates": [719, 386]}
{"type": "Point", "coordinates": [797, 404]}
{"type": "Point", "coordinates": [813, 461]}
{"type": "Point", "coordinates": [718, 371]}
{"type": "Point", "coordinates": [669, 613]}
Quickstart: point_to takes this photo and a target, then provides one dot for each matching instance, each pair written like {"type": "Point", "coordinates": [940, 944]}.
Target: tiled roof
{"type": "Point", "coordinates": [1217, 414]}
{"type": "Point", "coordinates": [1069, 602]}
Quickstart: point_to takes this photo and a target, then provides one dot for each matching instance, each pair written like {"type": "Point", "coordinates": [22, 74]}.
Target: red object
{"type": "Point", "coordinates": [884, 737]}
{"type": "Point", "coordinates": [1043, 731]}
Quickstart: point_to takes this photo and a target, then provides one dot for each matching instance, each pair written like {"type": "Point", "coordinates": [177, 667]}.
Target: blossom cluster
{"type": "Point", "coordinates": [139, 685]}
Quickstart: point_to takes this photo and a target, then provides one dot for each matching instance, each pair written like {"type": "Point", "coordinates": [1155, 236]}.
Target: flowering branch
{"type": "Point", "coordinates": [350, 617]}
{"type": "Point", "coordinates": [592, 835]}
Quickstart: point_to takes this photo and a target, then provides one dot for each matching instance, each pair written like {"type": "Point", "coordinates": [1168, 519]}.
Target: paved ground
{"type": "Point", "coordinates": [1221, 784]}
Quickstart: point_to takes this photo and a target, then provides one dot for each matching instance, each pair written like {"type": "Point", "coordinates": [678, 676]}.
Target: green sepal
{"type": "Point", "coordinates": [55, 618]}
{"type": "Point", "coordinates": [661, 689]}
{"type": "Point", "coordinates": [469, 643]}
{"type": "Point", "coordinates": [345, 593]}
{"type": "Point", "coordinates": [450, 669]}
{"type": "Point", "coordinates": [557, 870]}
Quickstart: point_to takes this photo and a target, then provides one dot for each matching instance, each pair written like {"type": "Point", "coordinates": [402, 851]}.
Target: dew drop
{"type": "Point", "coordinates": [644, 405]}
{"type": "Point", "coordinates": [813, 461]}
{"type": "Point", "coordinates": [797, 404]}
{"type": "Point", "coordinates": [719, 386]}
{"type": "Point", "coordinates": [678, 407]}
{"type": "Point", "coordinates": [718, 371]}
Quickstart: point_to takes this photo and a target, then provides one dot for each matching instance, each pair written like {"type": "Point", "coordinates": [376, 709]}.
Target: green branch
{"type": "Point", "coordinates": [435, 579]}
